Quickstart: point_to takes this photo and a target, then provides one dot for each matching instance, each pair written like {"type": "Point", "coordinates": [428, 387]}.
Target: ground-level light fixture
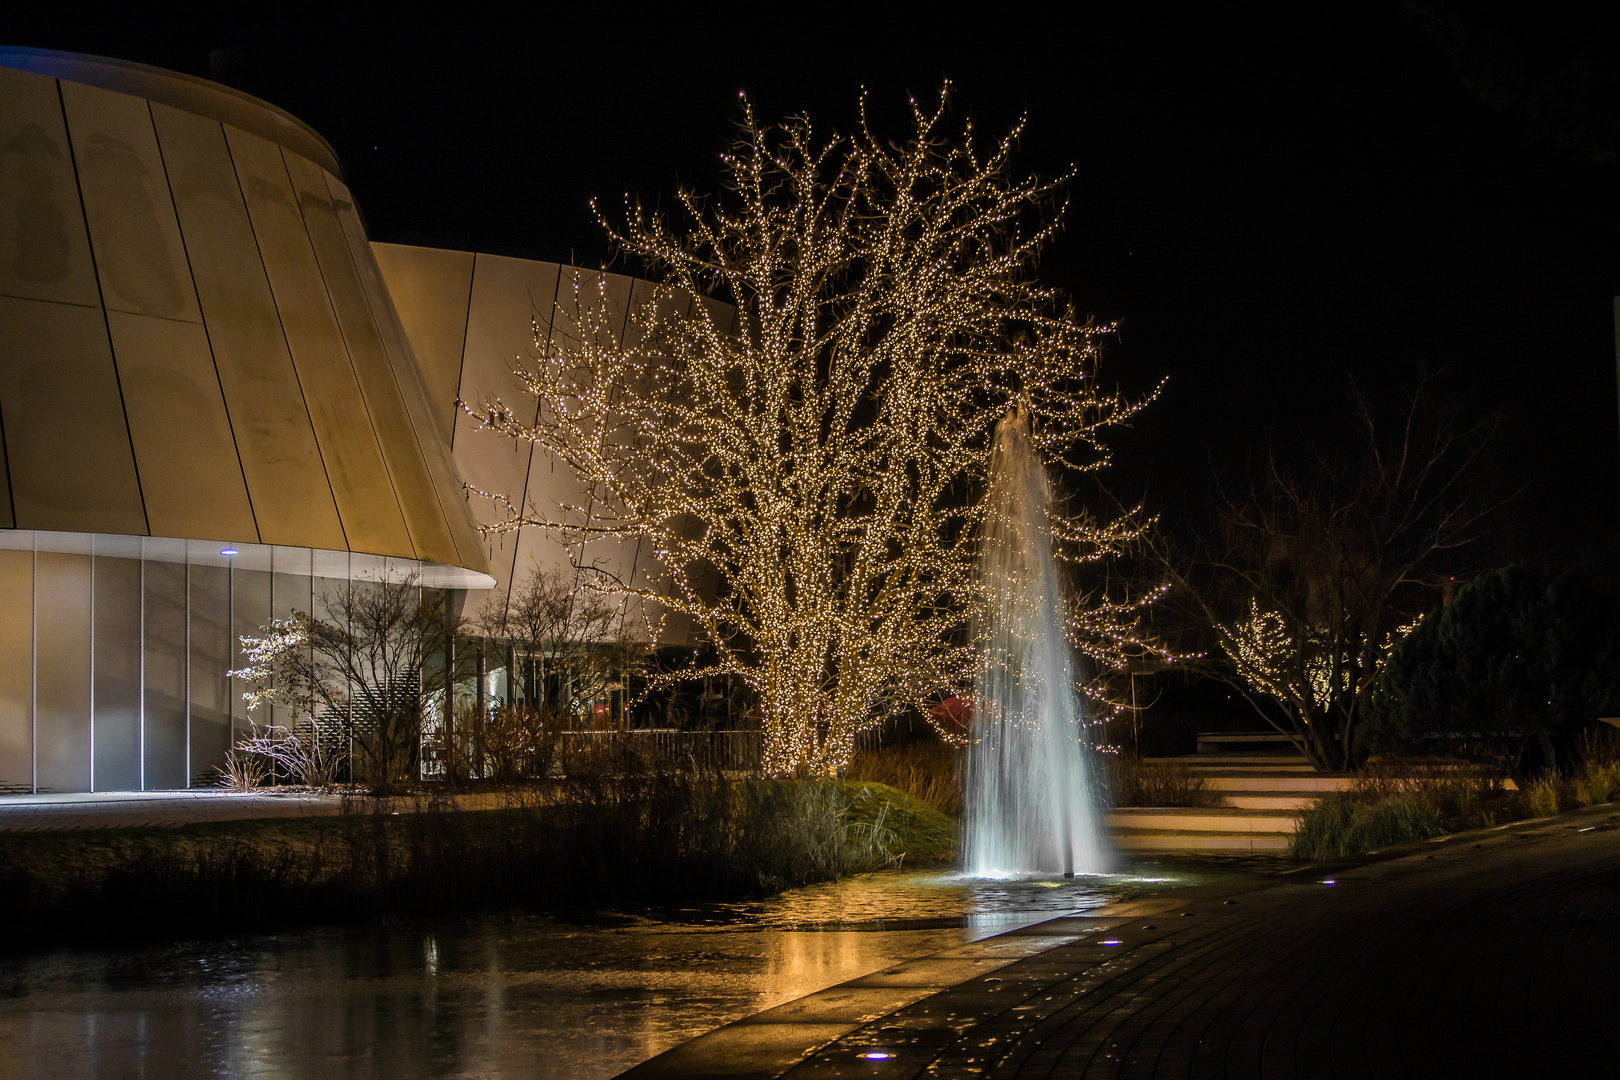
{"type": "Point", "coordinates": [227, 551]}
{"type": "Point", "coordinates": [876, 1055]}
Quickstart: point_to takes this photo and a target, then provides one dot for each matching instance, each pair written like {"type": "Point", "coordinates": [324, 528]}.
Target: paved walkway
{"type": "Point", "coordinates": [112, 810]}
{"type": "Point", "coordinates": [1491, 954]}
{"type": "Point", "coordinates": [117, 810]}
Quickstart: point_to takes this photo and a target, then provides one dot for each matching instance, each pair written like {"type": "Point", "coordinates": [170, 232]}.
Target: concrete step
{"type": "Point", "coordinates": [1202, 761]}
{"type": "Point", "coordinates": [1214, 740]}
{"type": "Point", "coordinates": [1284, 767]}
{"type": "Point", "coordinates": [1232, 843]}
{"type": "Point", "coordinates": [1273, 780]}
{"type": "Point", "coordinates": [1271, 800]}
{"type": "Point", "coordinates": [1202, 819]}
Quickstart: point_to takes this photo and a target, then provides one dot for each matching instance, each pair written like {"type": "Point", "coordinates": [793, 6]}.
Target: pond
{"type": "Point", "coordinates": [578, 995]}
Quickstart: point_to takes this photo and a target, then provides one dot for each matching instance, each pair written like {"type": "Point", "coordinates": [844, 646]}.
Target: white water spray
{"type": "Point", "coordinates": [1031, 794]}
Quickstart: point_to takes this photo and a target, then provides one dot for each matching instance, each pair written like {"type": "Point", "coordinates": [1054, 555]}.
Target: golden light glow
{"type": "Point", "coordinates": [1304, 665]}
{"type": "Point", "coordinates": [813, 480]}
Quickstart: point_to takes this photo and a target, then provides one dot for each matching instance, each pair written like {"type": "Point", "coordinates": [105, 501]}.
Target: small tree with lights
{"type": "Point", "coordinates": [813, 479]}
{"type": "Point", "coordinates": [1308, 579]}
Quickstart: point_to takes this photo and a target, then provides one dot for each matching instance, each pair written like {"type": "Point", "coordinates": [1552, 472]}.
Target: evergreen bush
{"type": "Point", "coordinates": [1526, 653]}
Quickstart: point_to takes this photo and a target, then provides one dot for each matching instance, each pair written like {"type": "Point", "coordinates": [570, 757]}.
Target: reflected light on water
{"type": "Point", "coordinates": [582, 996]}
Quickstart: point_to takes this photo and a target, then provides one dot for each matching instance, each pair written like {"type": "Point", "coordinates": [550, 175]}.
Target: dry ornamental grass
{"type": "Point", "coordinates": [925, 769]}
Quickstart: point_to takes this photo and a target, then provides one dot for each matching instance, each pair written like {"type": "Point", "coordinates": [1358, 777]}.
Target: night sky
{"type": "Point", "coordinates": [1271, 201]}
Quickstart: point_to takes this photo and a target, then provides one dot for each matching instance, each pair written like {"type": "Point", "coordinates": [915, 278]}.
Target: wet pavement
{"type": "Point", "coordinates": [1488, 954]}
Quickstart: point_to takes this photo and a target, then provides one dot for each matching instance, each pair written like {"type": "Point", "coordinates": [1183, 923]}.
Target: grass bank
{"type": "Point", "coordinates": [624, 840]}
{"type": "Point", "coordinates": [1398, 802]}
{"type": "Point", "coordinates": [928, 770]}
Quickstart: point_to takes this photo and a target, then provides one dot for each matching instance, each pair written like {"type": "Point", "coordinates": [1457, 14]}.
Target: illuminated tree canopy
{"type": "Point", "coordinates": [825, 460]}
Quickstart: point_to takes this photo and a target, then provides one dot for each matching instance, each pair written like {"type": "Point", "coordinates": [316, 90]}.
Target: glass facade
{"type": "Point", "coordinates": [114, 652]}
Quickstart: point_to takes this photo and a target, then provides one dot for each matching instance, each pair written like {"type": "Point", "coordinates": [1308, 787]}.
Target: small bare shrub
{"type": "Point", "coordinates": [507, 744]}
{"type": "Point", "coordinates": [1541, 798]}
{"type": "Point", "coordinates": [310, 758]}
{"type": "Point", "coordinates": [521, 741]}
{"type": "Point", "coordinates": [243, 769]}
{"type": "Point", "coordinates": [275, 754]}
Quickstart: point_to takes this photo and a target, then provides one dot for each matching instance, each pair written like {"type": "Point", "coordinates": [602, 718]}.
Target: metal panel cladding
{"type": "Point", "coordinates": [194, 337]}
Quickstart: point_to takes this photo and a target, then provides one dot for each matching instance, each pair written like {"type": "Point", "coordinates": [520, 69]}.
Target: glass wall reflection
{"type": "Point", "coordinates": [116, 653]}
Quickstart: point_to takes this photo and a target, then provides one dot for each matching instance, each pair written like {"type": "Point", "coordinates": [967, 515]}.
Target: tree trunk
{"type": "Point", "coordinates": [1547, 749]}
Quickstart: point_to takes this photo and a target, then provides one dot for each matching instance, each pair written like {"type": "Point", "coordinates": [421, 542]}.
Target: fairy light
{"type": "Point", "coordinates": [1305, 664]}
{"type": "Point", "coordinates": [826, 461]}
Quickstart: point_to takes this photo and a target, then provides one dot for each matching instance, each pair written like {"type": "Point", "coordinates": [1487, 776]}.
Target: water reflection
{"type": "Point", "coordinates": [578, 996]}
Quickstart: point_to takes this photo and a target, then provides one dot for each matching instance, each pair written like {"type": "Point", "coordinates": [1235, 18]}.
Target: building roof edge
{"type": "Point", "coordinates": [188, 92]}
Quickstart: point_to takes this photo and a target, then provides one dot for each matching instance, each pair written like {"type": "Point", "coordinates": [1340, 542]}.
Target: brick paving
{"type": "Point", "coordinates": [1492, 954]}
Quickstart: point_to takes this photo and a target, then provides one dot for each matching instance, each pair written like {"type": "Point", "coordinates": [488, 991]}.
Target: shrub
{"type": "Point", "coordinates": [652, 836]}
{"type": "Point", "coordinates": [1385, 804]}
{"type": "Point", "coordinates": [506, 744]}
{"type": "Point", "coordinates": [1542, 797]}
{"type": "Point", "coordinates": [1383, 807]}
{"type": "Point", "coordinates": [1525, 651]}
{"type": "Point", "coordinates": [1342, 823]}
{"type": "Point", "coordinates": [1596, 783]}
{"type": "Point", "coordinates": [270, 754]}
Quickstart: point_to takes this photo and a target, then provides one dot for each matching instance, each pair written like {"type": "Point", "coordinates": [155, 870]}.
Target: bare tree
{"type": "Point", "coordinates": [568, 639]}
{"type": "Point", "coordinates": [369, 669]}
{"type": "Point", "coordinates": [826, 461]}
{"type": "Point", "coordinates": [1307, 579]}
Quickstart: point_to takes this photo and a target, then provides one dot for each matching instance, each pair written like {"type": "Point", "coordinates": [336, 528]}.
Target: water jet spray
{"type": "Point", "coordinates": [1031, 791]}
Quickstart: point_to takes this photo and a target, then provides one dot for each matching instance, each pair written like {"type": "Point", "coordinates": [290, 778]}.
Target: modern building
{"type": "Point", "coordinates": [218, 401]}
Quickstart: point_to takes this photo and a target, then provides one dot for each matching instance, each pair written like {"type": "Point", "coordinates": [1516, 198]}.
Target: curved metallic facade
{"type": "Point", "coordinates": [220, 401]}
{"type": "Point", "coordinates": [195, 339]}
{"type": "Point", "coordinates": [469, 317]}
{"type": "Point", "coordinates": [210, 414]}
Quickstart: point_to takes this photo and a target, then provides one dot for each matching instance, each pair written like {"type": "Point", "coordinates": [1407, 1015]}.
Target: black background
{"type": "Point", "coordinates": [1271, 200]}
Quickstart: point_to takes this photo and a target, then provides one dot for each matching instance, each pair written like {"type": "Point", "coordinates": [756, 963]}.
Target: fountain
{"type": "Point", "coordinates": [1031, 790]}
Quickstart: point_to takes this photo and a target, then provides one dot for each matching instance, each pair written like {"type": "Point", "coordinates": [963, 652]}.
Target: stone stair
{"type": "Point", "coordinates": [1261, 793]}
